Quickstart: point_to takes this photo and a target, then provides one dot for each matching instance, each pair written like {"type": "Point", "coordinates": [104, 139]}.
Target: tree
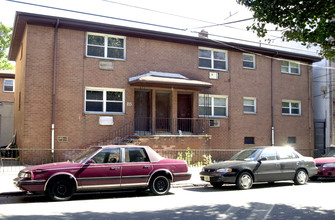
{"type": "Point", "coordinates": [311, 22]}
{"type": "Point", "coordinates": [5, 37]}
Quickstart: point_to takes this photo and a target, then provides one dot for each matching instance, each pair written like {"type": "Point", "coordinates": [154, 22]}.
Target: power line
{"type": "Point", "coordinates": [97, 15]}
{"type": "Point", "coordinates": [156, 25]}
{"type": "Point", "coordinates": [231, 22]}
{"type": "Point", "coordinates": [160, 12]}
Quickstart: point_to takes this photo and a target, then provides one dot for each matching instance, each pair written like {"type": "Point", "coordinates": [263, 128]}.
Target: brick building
{"type": "Point", "coordinates": [80, 83]}
{"type": "Point", "coordinates": [7, 85]}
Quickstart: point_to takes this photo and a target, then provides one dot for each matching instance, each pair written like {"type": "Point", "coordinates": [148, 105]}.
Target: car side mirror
{"type": "Point", "coordinates": [262, 159]}
{"type": "Point", "coordinates": [90, 161]}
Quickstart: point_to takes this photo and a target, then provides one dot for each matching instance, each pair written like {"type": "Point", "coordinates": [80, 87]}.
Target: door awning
{"type": "Point", "coordinates": [167, 80]}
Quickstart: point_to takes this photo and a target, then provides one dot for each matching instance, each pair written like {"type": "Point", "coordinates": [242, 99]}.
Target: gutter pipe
{"type": "Point", "coordinates": [54, 92]}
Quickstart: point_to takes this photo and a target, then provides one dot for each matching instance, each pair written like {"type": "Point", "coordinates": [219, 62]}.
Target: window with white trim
{"type": "Point", "coordinates": [291, 107]}
{"type": "Point", "coordinates": [290, 67]}
{"type": "Point", "coordinates": [212, 59]}
{"type": "Point", "coordinates": [213, 105]}
{"type": "Point", "coordinates": [249, 105]}
{"type": "Point", "coordinates": [8, 85]}
{"type": "Point", "coordinates": [109, 101]}
{"type": "Point", "coordinates": [106, 46]}
{"type": "Point", "coordinates": [249, 61]}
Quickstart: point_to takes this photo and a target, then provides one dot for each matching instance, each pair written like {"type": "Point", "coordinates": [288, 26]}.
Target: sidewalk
{"type": "Point", "coordinates": [7, 187]}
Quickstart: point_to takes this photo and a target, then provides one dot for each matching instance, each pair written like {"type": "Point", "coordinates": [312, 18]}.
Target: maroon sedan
{"type": "Point", "coordinates": [104, 168]}
{"type": "Point", "coordinates": [325, 165]}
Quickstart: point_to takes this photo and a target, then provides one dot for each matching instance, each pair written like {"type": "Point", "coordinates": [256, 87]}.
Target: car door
{"type": "Point", "coordinates": [136, 168]}
{"type": "Point", "coordinates": [289, 162]}
{"type": "Point", "coordinates": [268, 168]}
{"type": "Point", "coordinates": [102, 171]}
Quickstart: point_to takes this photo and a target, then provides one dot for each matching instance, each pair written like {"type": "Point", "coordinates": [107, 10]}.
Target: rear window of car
{"type": "Point", "coordinates": [286, 154]}
{"type": "Point", "coordinates": [136, 155]}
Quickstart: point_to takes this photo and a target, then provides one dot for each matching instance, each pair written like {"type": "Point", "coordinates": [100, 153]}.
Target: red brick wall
{"type": "Point", "coordinates": [75, 72]}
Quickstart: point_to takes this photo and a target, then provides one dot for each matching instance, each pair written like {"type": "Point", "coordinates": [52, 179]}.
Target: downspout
{"type": "Point", "coordinates": [272, 120]}
{"type": "Point", "coordinates": [54, 92]}
{"type": "Point", "coordinates": [309, 105]}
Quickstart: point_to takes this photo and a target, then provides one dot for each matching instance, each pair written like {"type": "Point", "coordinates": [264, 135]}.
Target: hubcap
{"type": "Point", "coordinates": [245, 181]}
{"type": "Point", "coordinates": [302, 177]}
{"type": "Point", "coordinates": [160, 185]}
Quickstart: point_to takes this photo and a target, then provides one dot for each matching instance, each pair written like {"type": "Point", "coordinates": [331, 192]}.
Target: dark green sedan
{"type": "Point", "coordinates": [260, 164]}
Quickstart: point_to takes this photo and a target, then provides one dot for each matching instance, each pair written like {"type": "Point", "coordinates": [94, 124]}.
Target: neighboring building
{"type": "Point", "coordinates": [81, 82]}
{"type": "Point", "coordinates": [7, 85]}
{"type": "Point", "coordinates": [324, 100]}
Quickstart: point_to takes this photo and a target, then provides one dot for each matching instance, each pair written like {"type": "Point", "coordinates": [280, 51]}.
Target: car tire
{"type": "Point", "coordinates": [301, 177]}
{"type": "Point", "coordinates": [244, 181]}
{"type": "Point", "coordinates": [216, 184]}
{"type": "Point", "coordinates": [60, 189]}
{"type": "Point", "coordinates": [314, 178]}
{"type": "Point", "coordinates": [160, 185]}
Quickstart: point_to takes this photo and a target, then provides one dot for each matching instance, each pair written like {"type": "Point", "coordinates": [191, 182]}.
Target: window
{"type": "Point", "coordinates": [249, 61]}
{"type": "Point", "coordinates": [249, 105]}
{"type": "Point", "coordinates": [290, 67]}
{"type": "Point", "coordinates": [286, 153]}
{"type": "Point", "coordinates": [215, 106]}
{"type": "Point", "coordinates": [107, 156]}
{"type": "Point", "coordinates": [104, 100]}
{"type": "Point", "coordinates": [291, 140]}
{"type": "Point", "coordinates": [269, 154]}
{"type": "Point", "coordinates": [136, 155]}
{"type": "Point", "coordinates": [8, 85]}
{"type": "Point", "coordinates": [106, 46]}
{"type": "Point", "coordinates": [291, 107]}
{"type": "Point", "coordinates": [212, 59]}
{"type": "Point", "coordinates": [249, 140]}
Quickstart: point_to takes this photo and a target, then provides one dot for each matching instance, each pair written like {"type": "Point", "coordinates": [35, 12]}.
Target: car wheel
{"type": "Point", "coordinates": [301, 177]}
{"type": "Point", "coordinates": [61, 190]}
{"type": "Point", "coordinates": [314, 178]}
{"type": "Point", "coordinates": [160, 185]}
{"type": "Point", "coordinates": [244, 181]}
{"type": "Point", "coordinates": [216, 184]}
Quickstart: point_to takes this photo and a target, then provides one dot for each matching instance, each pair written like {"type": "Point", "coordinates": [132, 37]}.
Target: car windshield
{"type": "Point", "coordinates": [330, 154]}
{"type": "Point", "coordinates": [85, 155]}
{"type": "Point", "coordinates": [248, 154]}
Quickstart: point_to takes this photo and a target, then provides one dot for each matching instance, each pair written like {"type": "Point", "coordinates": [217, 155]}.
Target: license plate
{"type": "Point", "coordinates": [207, 178]}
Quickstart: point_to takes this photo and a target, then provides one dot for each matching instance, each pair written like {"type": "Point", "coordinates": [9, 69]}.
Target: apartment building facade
{"type": "Point", "coordinates": [80, 83]}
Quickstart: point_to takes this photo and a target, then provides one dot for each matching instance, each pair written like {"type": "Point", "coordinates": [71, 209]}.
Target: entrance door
{"type": "Point", "coordinates": [143, 110]}
{"type": "Point", "coordinates": [163, 103]}
{"type": "Point", "coordinates": [185, 112]}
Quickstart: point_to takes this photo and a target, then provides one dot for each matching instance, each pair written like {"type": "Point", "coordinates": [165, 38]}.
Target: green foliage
{"type": "Point", "coordinates": [188, 156]}
{"type": "Point", "coordinates": [5, 38]}
{"type": "Point", "coordinates": [311, 22]}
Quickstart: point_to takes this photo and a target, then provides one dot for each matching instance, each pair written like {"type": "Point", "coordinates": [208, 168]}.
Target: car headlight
{"type": "Point", "coordinates": [26, 175]}
{"type": "Point", "coordinates": [224, 170]}
{"type": "Point", "coordinates": [329, 165]}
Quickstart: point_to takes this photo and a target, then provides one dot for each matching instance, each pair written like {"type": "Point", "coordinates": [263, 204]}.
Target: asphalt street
{"type": "Point", "coordinates": [282, 200]}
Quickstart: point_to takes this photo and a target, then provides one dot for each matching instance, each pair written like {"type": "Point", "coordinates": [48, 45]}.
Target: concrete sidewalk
{"type": "Point", "coordinates": [7, 187]}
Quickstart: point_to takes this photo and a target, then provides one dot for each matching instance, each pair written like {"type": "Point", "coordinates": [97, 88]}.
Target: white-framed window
{"type": "Point", "coordinates": [249, 105]}
{"type": "Point", "coordinates": [106, 46]}
{"type": "Point", "coordinates": [213, 105]}
{"type": "Point", "coordinates": [212, 59]}
{"type": "Point", "coordinates": [249, 61]}
{"type": "Point", "coordinates": [104, 101]}
{"type": "Point", "coordinates": [9, 85]}
{"type": "Point", "coordinates": [290, 67]}
{"type": "Point", "coordinates": [290, 107]}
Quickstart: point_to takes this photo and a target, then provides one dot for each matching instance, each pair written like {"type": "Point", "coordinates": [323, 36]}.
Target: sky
{"type": "Point", "coordinates": [187, 17]}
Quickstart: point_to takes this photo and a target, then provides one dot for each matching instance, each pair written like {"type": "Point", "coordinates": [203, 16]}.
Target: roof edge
{"type": "Point", "coordinates": [23, 18]}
